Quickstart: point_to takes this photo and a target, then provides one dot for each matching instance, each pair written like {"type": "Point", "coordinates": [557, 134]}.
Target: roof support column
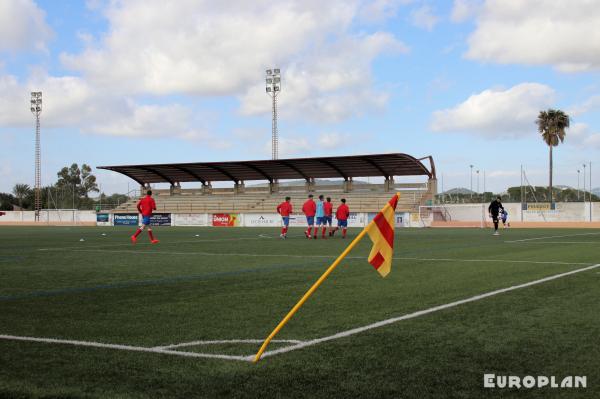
{"type": "Point", "coordinates": [239, 187]}
{"type": "Point", "coordinates": [388, 185]}
{"type": "Point", "coordinates": [175, 189]}
{"type": "Point", "coordinates": [348, 186]}
{"type": "Point", "coordinates": [432, 188]}
{"type": "Point", "coordinates": [310, 185]}
{"type": "Point", "coordinates": [274, 187]}
{"type": "Point", "coordinates": [207, 188]}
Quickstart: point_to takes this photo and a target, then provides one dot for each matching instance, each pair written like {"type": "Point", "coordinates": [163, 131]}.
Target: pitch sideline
{"type": "Point", "coordinates": [413, 315]}
{"type": "Point", "coordinates": [301, 344]}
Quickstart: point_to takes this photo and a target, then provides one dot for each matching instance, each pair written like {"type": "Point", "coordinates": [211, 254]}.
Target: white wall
{"type": "Point", "coordinates": [51, 216]}
{"type": "Point", "coordinates": [564, 212]}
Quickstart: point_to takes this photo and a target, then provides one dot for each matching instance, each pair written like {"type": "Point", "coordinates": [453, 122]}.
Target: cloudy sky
{"type": "Point", "coordinates": [145, 81]}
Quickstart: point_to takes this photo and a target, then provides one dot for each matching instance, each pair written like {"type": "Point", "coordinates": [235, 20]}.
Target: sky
{"type": "Point", "coordinates": [146, 81]}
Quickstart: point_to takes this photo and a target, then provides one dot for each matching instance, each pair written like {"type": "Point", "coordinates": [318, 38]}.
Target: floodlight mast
{"type": "Point", "coordinates": [36, 110]}
{"type": "Point", "coordinates": [273, 87]}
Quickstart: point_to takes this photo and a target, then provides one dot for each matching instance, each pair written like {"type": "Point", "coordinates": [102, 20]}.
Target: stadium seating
{"type": "Point", "coordinates": [367, 198]}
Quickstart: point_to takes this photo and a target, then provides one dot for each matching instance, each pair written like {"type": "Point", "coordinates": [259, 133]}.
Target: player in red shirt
{"type": "Point", "coordinates": [342, 214]}
{"type": "Point", "coordinates": [328, 208]}
{"type": "Point", "coordinates": [309, 209]}
{"type": "Point", "coordinates": [285, 210]}
{"type": "Point", "coordinates": [145, 206]}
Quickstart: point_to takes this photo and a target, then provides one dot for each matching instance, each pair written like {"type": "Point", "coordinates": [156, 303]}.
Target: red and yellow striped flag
{"type": "Point", "coordinates": [381, 232]}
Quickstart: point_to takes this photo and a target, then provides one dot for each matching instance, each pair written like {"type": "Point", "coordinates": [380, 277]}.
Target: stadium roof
{"type": "Point", "coordinates": [346, 167]}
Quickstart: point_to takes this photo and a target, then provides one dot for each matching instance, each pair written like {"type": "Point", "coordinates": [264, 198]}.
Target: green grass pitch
{"type": "Point", "coordinates": [230, 284]}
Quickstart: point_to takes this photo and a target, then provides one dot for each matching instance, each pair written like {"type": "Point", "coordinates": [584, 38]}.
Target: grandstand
{"type": "Point", "coordinates": [257, 199]}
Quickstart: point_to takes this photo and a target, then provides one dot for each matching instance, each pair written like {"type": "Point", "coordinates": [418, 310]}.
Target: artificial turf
{"type": "Point", "coordinates": [237, 283]}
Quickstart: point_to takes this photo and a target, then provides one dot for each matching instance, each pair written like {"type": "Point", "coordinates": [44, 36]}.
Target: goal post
{"type": "Point", "coordinates": [454, 215]}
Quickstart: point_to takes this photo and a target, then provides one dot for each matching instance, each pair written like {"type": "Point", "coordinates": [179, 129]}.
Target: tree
{"type": "Point", "coordinates": [81, 180]}
{"type": "Point", "coordinates": [88, 181]}
{"type": "Point", "coordinates": [551, 125]}
{"type": "Point", "coordinates": [21, 191]}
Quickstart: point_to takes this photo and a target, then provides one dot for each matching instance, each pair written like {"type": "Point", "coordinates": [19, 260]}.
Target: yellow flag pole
{"type": "Point", "coordinates": [312, 289]}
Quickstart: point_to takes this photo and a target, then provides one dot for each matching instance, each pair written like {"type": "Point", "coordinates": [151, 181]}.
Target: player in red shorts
{"type": "Point", "coordinates": [285, 210]}
{"type": "Point", "coordinates": [310, 208]}
{"type": "Point", "coordinates": [328, 208]}
{"type": "Point", "coordinates": [145, 206]}
{"type": "Point", "coordinates": [342, 214]}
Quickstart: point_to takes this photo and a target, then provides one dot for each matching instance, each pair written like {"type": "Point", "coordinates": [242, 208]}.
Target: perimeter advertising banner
{"type": "Point", "coordinates": [225, 219]}
{"type": "Point", "coordinates": [539, 206]}
{"type": "Point", "coordinates": [190, 219]}
{"type": "Point", "coordinates": [160, 219]}
{"type": "Point", "coordinates": [262, 220]}
{"type": "Point", "coordinates": [125, 219]}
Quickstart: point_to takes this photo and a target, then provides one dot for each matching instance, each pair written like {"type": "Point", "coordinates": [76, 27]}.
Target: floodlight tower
{"type": "Point", "coordinates": [273, 87]}
{"type": "Point", "coordinates": [36, 110]}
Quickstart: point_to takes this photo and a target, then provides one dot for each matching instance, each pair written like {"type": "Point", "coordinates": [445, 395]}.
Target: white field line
{"type": "Point", "coordinates": [556, 242]}
{"type": "Point", "coordinates": [227, 341]}
{"type": "Point", "coordinates": [545, 238]}
{"type": "Point", "coordinates": [419, 313]}
{"type": "Point", "coordinates": [324, 256]}
{"type": "Point", "coordinates": [162, 243]}
{"type": "Point", "coordinates": [122, 347]}
{"type": "Point", "coordinates": [301, 344]}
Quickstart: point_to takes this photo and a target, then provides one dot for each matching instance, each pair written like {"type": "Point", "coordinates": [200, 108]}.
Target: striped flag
{"type": "Point", "coordinates": [381, 232]}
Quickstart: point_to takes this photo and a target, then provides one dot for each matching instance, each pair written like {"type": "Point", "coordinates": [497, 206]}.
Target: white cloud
{"type": "Point", "coordinates": [70, 101]}
{"type": "Point", "coordinates": [22, 26]}
{"type": "Point", "coordinates": [380, 10]}
{"type": "Point", "coordinates": [464, 9]}
{"type": "Point", "coordinates": [330, 141]}
{"type": "Point", "coordinates": [564, 34]}
{"type": "Point", "coordinates": [332, 84]}
{"type": "Point", "coordinates": [582, 136]}
{"type": "Point", "coordinates": [223, 48]}
{"type": "Point", "coordinates": [207, 48]}
{"type": "Point", "coordinates": [497, 113]}
{"type": "Point", "coordinates": [424, 17]}
{"type": "Point", "coordinates": [588, 105]}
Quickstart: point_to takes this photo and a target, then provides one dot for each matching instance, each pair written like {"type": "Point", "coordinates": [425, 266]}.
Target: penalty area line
{"type": "Point", "coordinates": [227, 341]}
{"type": "Point", "coordinates": [123, 347]}
{"type": "Point", "coordinates": [419, 313]}
{"type": "Point", "coordinates": [547, 237]}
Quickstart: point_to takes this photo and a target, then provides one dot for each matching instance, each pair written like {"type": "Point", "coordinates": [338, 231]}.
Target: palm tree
{"type": "Point", "coordinates": [551, 125]}
{"type": "Point", "coordinates": [21, 191]}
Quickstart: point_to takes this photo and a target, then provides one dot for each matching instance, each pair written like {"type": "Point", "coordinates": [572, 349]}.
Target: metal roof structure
{"type": "Point", "coordinates": [346, 167]}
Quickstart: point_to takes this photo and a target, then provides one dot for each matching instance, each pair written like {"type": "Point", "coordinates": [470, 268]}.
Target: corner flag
{"type": "Point", "coordinates": [381, 232]}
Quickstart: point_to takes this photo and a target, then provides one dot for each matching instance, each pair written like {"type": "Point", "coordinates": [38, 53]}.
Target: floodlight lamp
{"type": "Point", "coordinates": [269, 80]}
{"type": "Point", "coordinates": [269, 72]}
{"type": "Point", "coordinates": [32, 109]}
{"type": "Point", "coordinates": [38, 109]}
{"type": "Point", "coordinates": [276, 70]}
{"type": "Point", "coordinates": [276, 88]}
{"type": "Point", "coordinates": [268, 89]}
{"type": "Point", "coordinates": [276, 79]}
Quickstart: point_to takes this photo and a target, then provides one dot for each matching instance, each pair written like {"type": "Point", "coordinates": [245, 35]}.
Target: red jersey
{"type": "Point", "coordinates": [284, 209]}
{"type": "Point", "coordinates": [328, 208]}
{"type": "Point", "coordinates": [343, 212]}
{"type": "Point", "coordinates": [309, 208]}
{"type": "Point", "coordinates": [146, 205]}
